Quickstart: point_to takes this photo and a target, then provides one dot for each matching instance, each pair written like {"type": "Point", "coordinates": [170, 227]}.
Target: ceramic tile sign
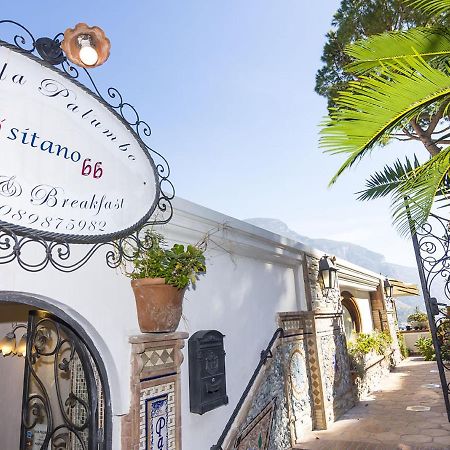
{"type": "Point", "coordinates": [71, 166]}
{"type": "Point", "coordinates": [157, 423]}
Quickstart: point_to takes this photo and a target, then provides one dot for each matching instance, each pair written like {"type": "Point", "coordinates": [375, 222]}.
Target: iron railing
{"type": "Point", "coordinates": [265, 355]}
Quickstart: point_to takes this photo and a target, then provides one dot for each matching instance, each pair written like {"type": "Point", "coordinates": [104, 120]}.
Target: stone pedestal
{"type": "Point", "coordinates": [154, 420]}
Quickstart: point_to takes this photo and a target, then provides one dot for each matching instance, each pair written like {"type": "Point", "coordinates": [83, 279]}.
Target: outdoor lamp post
{"type": "Point", "coordinates": [328, 272]}
{"type": "Point", "coordinates": [389, 294]}
{"type": "Point", "coordinates": [388, 288]}
{"type": "Point", "coordinates": [86, 46]}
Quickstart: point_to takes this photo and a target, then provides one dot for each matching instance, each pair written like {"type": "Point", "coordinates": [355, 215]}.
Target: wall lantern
{"type": "Point", "coordinates": [328, 272]}
{"type": "Point", "coordinates": [8, 343]}
{"type": "Point", "coordinates": [388, 288]}
{"type": "Point", "coordinates": [86, 46]}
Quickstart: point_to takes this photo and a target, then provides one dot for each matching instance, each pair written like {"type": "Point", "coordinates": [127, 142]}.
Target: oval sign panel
{"type": "Point", "coordinates": [70, 167]}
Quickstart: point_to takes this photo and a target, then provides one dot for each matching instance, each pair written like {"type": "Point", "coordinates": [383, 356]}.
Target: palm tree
{"type": "Point", "coordinates": [401, 91]}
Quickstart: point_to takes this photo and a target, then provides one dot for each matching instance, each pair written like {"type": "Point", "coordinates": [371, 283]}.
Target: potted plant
{"type": "Point", "coordinates": [160, 277]}
{"type": "Point", "coordinates": [418, 320]}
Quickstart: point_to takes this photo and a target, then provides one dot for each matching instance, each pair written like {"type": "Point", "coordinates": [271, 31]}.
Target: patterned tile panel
{"type": "Point", "coordinates": [299, 394]}
{"type": "Point", "coordinates": [257, 434]}
{"type": "Point", "coordinates": [157, 418]}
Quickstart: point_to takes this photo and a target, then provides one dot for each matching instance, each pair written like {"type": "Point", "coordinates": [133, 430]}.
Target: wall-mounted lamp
{"type": "Point", "coordinates": [86, 46]}
{"type": "Point", "coordinates": [8, 343]}
{"type": "Point", "coordinates": [328, 272]}
{"type": "Point", "coordinates": [388, 288]}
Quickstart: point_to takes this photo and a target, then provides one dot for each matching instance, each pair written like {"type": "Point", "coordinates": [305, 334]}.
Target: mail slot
{"type": "Point", "coordinates": [207, 383]}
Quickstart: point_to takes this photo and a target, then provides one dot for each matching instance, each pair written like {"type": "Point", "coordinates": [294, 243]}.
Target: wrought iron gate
{"type": "Point", "coordinates": [62, 392]}
{"type": "Point", "coordinates": [432, 250]}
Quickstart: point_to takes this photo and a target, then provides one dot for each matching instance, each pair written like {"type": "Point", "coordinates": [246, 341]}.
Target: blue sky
{"type": "Point", "coordinates": [228, 89]}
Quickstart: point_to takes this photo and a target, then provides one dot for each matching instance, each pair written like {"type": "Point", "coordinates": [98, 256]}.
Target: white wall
{"type": "Point", "coordinates": [362, 300]}
{"type": "Point", "coordinates": [251, 275]}
{"type": "Point", "coordinates": [411, 338]}
{"type": "Point", "coordinates": [240, 296]}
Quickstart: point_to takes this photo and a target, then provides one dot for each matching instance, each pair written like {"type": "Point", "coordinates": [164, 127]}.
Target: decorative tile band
{"type": "Point", "coordinates": [292, 325]}
{"type": "Point", "coordinates": [158, 357]}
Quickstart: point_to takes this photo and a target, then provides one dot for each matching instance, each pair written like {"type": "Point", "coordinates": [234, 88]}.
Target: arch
{"type": "Point", "coordinates": [89, 335]}
{"type": "Point", "coordinates": [348, 302]}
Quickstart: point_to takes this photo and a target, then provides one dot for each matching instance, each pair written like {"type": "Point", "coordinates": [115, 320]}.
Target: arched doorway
{"type": "Point", "coordinates": [350, 315]}
{"type": "Point", "coordinates": [65, 396]}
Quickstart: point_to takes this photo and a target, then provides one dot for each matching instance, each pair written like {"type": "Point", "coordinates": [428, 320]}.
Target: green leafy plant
{"type": "Point", "coordinates": [179, 265]}
{"type": "Point", "coordinates": [443, 336]}
{"type": "Point", "coordinates": [426, 348]}
{"type": "Point", "coordinates": [396, 86]}
{"type": "Point", "coordinates": [402, 344]}
{"type": "Point", "coordinates": [378, 342]}
{"type": "Point", "coordinates": [418, 316]}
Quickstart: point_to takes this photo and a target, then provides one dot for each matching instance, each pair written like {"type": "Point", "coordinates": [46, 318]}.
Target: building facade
{"type": "Point", "coordinates": [256, 283]}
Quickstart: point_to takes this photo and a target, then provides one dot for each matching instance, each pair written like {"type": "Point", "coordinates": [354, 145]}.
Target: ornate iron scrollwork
{"type": "Point", "coordinates": [49, 50]}
{"type": "Point", "coordinates": [432, 250]}
{"type": "Point", "coordinates": [59, 254]}
{"type": "Point", "coordinates": [62, 389]}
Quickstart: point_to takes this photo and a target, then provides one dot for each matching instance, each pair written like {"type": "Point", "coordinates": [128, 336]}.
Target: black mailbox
{"type": "Point", "coordinates": [207, 383]}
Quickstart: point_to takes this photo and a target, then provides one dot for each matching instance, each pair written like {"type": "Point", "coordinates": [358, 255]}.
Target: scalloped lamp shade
{"type": "Point", "coordinates": [86, 46]}
{"type": "Point", "coordinates": [21, 348]}
{"type": "Point", "coordinates": [8, 344]}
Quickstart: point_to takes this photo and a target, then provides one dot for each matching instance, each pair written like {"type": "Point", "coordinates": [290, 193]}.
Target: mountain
{"type": "Point", "coordinates": [355, 254]}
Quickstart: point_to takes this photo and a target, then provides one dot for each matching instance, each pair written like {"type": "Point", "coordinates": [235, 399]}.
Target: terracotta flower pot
{"type": "Point", "coordinates": [159, 305]}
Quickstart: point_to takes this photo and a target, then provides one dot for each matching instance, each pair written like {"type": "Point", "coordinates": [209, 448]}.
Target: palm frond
{"type": "Point", "coordinates": [372, 107]}
{"type": "Point", "coordinates": [413, 199]}
{"type": "Point", "coordinates": [432, 7]}
{"type": "Point", "coordinates": [381, 184]}
{"type": "Point", "coordinates": [427, 43]}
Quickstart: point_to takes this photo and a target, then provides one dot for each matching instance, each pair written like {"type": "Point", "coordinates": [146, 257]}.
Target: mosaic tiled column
{"type": "Point", "coordinates": [297, 376]}
{"type": "Point", "coordinates": [325, 349]}
{"type": "Point", "coordinates": [154, 421]}
{"type": "Point", "coordinates": [327, 360]}
{"type": "Point", "coordinates": [312, 358]}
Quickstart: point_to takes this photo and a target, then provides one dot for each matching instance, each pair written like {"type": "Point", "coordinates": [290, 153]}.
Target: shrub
{"type": "Point", "coordinates": [379, 342]}
{"type": "Point", "coordinates": [426, 348]}
{"type": "Point", "coordinates": [418, 316]}
{"type": "Point", "coordinates": [403, 348]}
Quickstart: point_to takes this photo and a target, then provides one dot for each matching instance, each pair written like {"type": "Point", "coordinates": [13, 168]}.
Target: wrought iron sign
{"type": "Point", "coordinates": [76, 164]}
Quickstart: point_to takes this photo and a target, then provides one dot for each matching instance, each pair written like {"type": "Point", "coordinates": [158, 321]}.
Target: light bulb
{"type": "Point", "coordinates": [88, 55]}
{"type": "Point", "coordinates": [21, 349]}
{"type": "Point", "coordinates": [8, 344]}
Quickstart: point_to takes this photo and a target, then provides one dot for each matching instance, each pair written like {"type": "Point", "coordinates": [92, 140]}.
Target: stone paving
{"type": "Point", "coordinates": [381, 422]}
